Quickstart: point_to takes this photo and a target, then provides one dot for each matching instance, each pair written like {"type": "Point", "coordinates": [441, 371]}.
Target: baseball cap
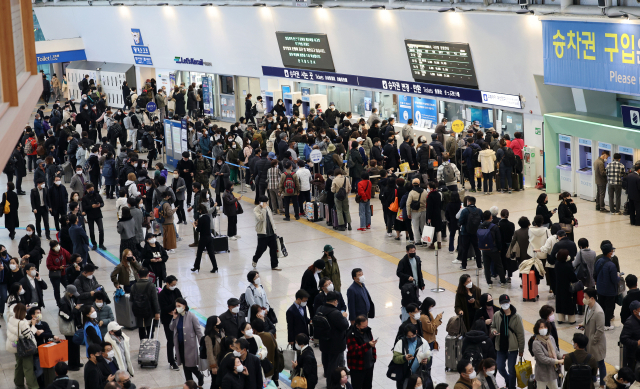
{"type": "Point", "coordinates": [607, 248]}
{"type": "Point", "coordinates": [113, 326]}
{"type": "Point", "coordinates": [358, 139]}
{"type": "Point", "coordinates": [73, 290]}
{"type": "Point", "coordinates": [476, 122]}
{"type": "Point", "coordinates": [635, 305]}
{"type": "Point", "coordinates": [504, 299]}
{"type": "Point", "coordinates": [271, 155]}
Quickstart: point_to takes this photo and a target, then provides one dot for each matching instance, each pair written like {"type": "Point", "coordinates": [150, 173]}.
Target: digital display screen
{"type": "Point", "coordinates": [305, 51]}
{"type": "Point", "coordinates": [442, 63]}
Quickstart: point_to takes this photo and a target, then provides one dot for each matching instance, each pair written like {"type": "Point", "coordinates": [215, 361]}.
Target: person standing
{"type": "Point", "coordinates": [631, 183]}
{"type": "Point", "coordinates": [143, 289]}
{"type": "Point", "coordinates": [579, 357]}
{"type": "Point", "coordinates": [361, 353]}
{"type": "Point", "coordinates": [40, 207]}
{"type": "Point", "coordinates": [205, 240]}
{"type": "Point", "coordinates": [630, 336]}
{"type": "Point", "coordinates": [565, 276]}
{"type": "Point", "coordinates": [297, 318]}
{"type": "Point", "coordinates": [19, 327]}
{"type": "Point", "coordinates": [469, 221]}
{"type": "Point", "coordinates": [360, 302]}
{"type": "Point", "coordinates": [289, 189]}
{"type": "Point", "coordinates": [633, 294]}
{"type": "Point", "coordinates": [410, 270]}
{"type": "Point", "coordinates": [509, 339]}
{"type": "Point", "coordinates": [339, 185]}
{"type": "Point", "coordinates": [594, 327]}
{"type": "Point", "coordinates": [266, 230]}
{"type": "Point", "coordinates": [93, 377]}
{"type": "Point", "coordinates": [491, 252]}
{"type": "Point", "coordinates": [91, 204]}
{"type": "Point", "coordinates": [186, 169]}
{"type": "Point", "coordinates": [30, 247]}
{"type": "Point", "coordinates": [615, 171]}
{"type": "Point", "coordinates": [306, 365]}
{"type": "Point", "coordinates": [230, 207]}
{"type": "Point", "coordinates": [179, 186]}
{"type": "Point", "coordinates": [187, 333]}
{"type": "Point", "coordinates": [333, 341]}
{"type": "Point", "coordinates": [11, 220]}
{"type": "Point", "coordinates": [600, 175]}
{"type": "Point", "coordinates": [607, 277]}
{"type": "Point", "coordinates": [57, 261]}
{"type": "Point", "coordinates": [364, 192]}
{"type": "Point", "coordinates": [167, 300]}
{"type": "Point", "coordinates": [58, 199]}
{"type": "Point", "coordinates": [547, 356]}
{"type": "Point", "coordinates": [487, 159]}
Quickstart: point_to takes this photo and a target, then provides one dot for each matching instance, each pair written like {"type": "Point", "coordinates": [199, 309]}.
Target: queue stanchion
{"type": "Point", "coordinates": [241, 171]}
{"type": "Point", "coordinates": [437, 289]}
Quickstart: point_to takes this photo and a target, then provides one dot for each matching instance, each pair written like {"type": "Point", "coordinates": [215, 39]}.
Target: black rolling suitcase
{"type": "Point", "coordinates": [149, 352]}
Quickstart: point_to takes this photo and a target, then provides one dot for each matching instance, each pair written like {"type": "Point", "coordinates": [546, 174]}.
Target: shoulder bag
{"type": "Point", "coordinates": [394, 206]}
{"type": "Point", "coordinates": [298, 381]}
{"type": "Point", "coordinates": [25, 345]}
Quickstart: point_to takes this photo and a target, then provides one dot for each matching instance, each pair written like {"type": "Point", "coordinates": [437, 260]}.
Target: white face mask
{"type": "Point", "coordinates": [135, 164]}
{"type": "Point", "coordinates": [330, 288]}
{"type": "Point", "coordinates": [180, 310]}
{"type": "Point", "coordinates": [21, 292]}
{"type": "Point", "coordinates": [152, 240]}
{"type": "Point", "coordinates": [543, 331]}
{"type": "Point", "coordinates": [13, 267]}
{"type": "Point", "coordinates": [239, 368]}
{"type": "Point", "coordinates": [505, 306]}
{"type": "Point", "coordinates": [318, 271]}
{"type": "Point", "coordinates": [93, 315]}
{"type": "Point", "coordinates": [235, 309]}
{"type": "Point", "coordinates": [173, 287]}
{"type": "Point", "coordinates": [416, 316]}
{"type": "Point", "coordinates": [491, 372]}
{"type": "Point", "coordinates": [236, 353]}
{"type": "Point", "coordinates": [56, 249]}
{"type": "Point", "coordinates": [111, 354]}
{"type": "Point", "coordinates": [472, 376]}
{"type": "Point", "coordinates": [303, 304]}
{"type": "Point", "coordinates": [248, 333]}
{"type": "Point", "coordinates": [298, 346]}
{"type": "Point", "coordinates": [90, 277]}
{"type": "Point", "coordinates": [29, 233]}
{"type": "Point", "coordinates": [58, 183]}
{"type": "Point", "coordinates": [256, 281]}
{"type": "Point", "coordinates": [469, 285]}
{"type": "Point", "coordinates": [33, 273]}
{"type": "Point", "coordinates": [552, 318]}
{"type": "Point", "coordinates": [78, 171]}
{"type": "Point", "coordinates": [361, 279]}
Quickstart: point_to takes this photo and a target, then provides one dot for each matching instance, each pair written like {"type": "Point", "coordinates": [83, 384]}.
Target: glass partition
{"type": "Point", "coordinates": [361, 101]}
{"type": "Point", "coordinates": [511, 122]}
{"type": "Point", "coordinates": [387, 104]}
{"type": "Point", "coordinates": [340, 97]}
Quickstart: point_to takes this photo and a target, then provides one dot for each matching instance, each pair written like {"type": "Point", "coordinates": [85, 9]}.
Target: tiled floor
{"type": "Point", "coordinates": [375, 253]}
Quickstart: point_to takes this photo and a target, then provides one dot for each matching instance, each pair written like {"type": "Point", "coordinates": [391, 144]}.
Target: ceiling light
{"type": "Point", "coordinates": [620, 15]}
{"type": "Point", "coordinates": [446, 9]}
{"type": "Point", "coordinates": [524, 11]}
{"type": "Point", "coordinates": [378, 7]}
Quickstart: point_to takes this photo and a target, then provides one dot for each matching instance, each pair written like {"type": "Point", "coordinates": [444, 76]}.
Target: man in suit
{"type": "Point", "coordinates": [40, 207]}
{"type": "Point", "coordinates": [358, 298]}
{"type": "Point", "coordinates": [107, 362]}
{"type": "Point", "coordinates": [93, 377]}
{"type": "Point", "coordinates": [251, 362]}
{"type": "Point", "coordinates": [33, 285]}
{"type": "Point", "coordinates": [631, 183]}
{"type": "Point", "coordinates": [297, 320]}
{"type": "Point", "coordinates": [306, 361]}
{"type": "Point", "coordinates": [79, 238]}
{"type": "Point", "coordinates": [593, 327]}
{"type": "Point", "coordinates": [232, 319]}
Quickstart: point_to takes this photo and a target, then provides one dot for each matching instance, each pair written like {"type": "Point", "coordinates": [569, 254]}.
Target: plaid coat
{"type": "Point", "coordinates": [356, 348]}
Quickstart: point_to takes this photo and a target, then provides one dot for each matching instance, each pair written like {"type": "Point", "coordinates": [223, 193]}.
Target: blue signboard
{"type": "Point", "coordinates": [592, 55]}
{"type": "Point", "coordinates": [404, 106]}
{"type": "Point", "coordinates": [407, 87]}
{"type": "Point", "coordinates": [140, 50]}
{"type": "Point", "coordinates": [137, 37]}
{"type": "Point", "coordinates": [151, 106]}
{"type": "Point", "coordinates": [143, 60]}
{"type": "Point", "coordinates": [206, 95]}
{"type": "Point", "coordinates": [426, 112]}
{"type": "Point", "coordinates": [61, 56]}
{"type": "Point", "coordinates": [630, 117]}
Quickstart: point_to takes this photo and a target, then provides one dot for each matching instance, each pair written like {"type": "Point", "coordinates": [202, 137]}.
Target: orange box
{"type": "Point", "coordinates": [52, 353]}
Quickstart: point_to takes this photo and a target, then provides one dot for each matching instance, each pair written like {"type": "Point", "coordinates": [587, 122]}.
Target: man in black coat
{"type": "Point", "coordinates": [492, 256]}
{"type": "Point", "coordinates": [232, 319]}
{"type": "Point", "coordinates": [630, 336]}
{"type": "Point", "coordinates": [333, 340]}
{"type": "Point", "coordinates": [633, 294]}
{"type": "Point", "coordinates": [262, 167]}
{"type": "Point", "coordinates": [93, 377]}
{"type": "Point", "coordinates": [563, 243]}
{"type": "Point", "coordinates": [297, 319]}
{"type": "Point", "coordinates": [91, 204]}
{"type": "Point", "coordinates": [376, 152]}
{"type": "Point", "coordinates": [33, 285]}
{"type": "Point", "coordinates": [58, 199]}
{"type": "Point", "coordinates": [405, 268]}
{"type": "Point", "coordinates": [40, 207]}
{"type": "Point", "coordinates": [390, 151]}
{"type": "Point", "coordinates": [62, 381]}
{"type": "Point", "coordinates": [167, 300]}
{"type": "Point", "coordinates": [631, 183]}
{"type": "Point", "coordinates": [186, 168]}
{"type": "Point", "coordinates": [20, 166]}
{"type": "Point", "coordinates": [406, 155]}
{"type": "Point", "coordinates": [251, 362]}
{"type": "Point", "coordinates": [306, 361]}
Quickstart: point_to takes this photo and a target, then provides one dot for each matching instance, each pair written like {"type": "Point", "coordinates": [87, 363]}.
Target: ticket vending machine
{"type": "Point", "coordinates": [270, 99]}
{"type": "Point", "coordinates": [586, 186]}
{"type": "Point", "coordinates": [305, 105]}
{"type": "Point", "coordinates": [567, 176]}
{"type": "Point", "coordinates": [289, 100]}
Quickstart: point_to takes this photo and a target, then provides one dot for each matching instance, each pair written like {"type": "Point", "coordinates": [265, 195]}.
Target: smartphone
{"type": "Point", "coordinates": [555, 209]}
{"type": "Point", "coordinates": [376, 339]}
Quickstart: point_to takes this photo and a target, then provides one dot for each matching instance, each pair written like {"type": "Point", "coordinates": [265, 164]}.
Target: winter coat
{"type": "Point", "coordinates": [80, 241]}
{"type": "Point", "coordinates": [120, 274]}
{"type": "Point", "coordinates": [537, 238]}
{"type": "Point", "coordinates": [565, 300]}
{"type": "Point", "coordinates": [416, 194]}
{"type": "Point", "coordinates": [543, 211]}
{"type": "Point", "coordinates": [594, 330]}
{"type": "Point", "coordinates": [434, 210]}
{"type": "Point", "coordinates": [566, 212]}
{"type": "Point", "coordinates": [149, 253]}
{"type": "Point", "coordinates": [121, 359]}
{"type": "Point", "coordinates": [516, 330]}
{"type": "Point", "coordinates": [179, 99]}
{"type": "Point", "coordinates": [11, 220]}
{"type": "Point", "coordinates": [487, 158]}
{"type": "Point", "coordinates": [460, 304]}
{"type": "Point", "coordinates": [606, 276]}
{"type": "Point", "coordinates": [261, 214]}
{"type": "Point", "coordinates": [545, 369]}
{"type": "Point", "coordinates": [587, 256]}
{"type": "Point", "coordinates": [19, 329]}
{"type": "Point", "coordinates": [105, 315]}
{"type": "Point", "coordinates": [58, 199]}
{"type": "Point", "coordinates": [332, 271]}
{"type": "Point", "coordinates": [84, 287]}
{"type": "Point", "coordinates": [479, 340]}
{"type": "Point", "coordinates": [191, 332]}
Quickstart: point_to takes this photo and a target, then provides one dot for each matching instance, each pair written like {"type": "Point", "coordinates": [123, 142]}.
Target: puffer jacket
{"type": "Point", "coordinates": [482, 341]}
{"type": "Point", "coordinates": [537, 238]}
{"type": "Point", "coordinates": [262, 170]}
{"type": "Point", "coordinates": [26, 330]}
{"type": "Point", "coordinates": [487, 158]}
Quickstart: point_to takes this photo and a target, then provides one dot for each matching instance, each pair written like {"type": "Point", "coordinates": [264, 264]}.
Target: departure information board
{"type": "Point", "coordinates": [305, 51]}
{"type": "Point", "coordinates": [442, 63]}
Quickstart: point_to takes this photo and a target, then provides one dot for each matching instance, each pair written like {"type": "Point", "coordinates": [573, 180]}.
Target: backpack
{"type": "Point", "coordinates": [254, 110]}
{"type": "Point", "coordinates": [485, 240]}
{"type": "Point", "coordinates": [80, 85]}
{"type": "Point", "coordinates": [158, 213]}
{"type": "Point", "coordinates": [244, 306]}
{"type": "Point", "coordinates": [114, 130]}
{"type": "Point", "coordinates": [474, 157]}
{"type": "Point", "coordinates": [141, 304]}
{"type": "Point", "coordinates": [509, 158]}
{"type": "Point", "coordinates": [350, 162]}
{"type": "Point", "coordinates": [579, 374]}
{"type": "Point", "coordinates": [473, 221]}
{"type": "Point", "coordinates": [127, 123]}
{"type": "Point", "coordinates": [289, 184]}
{"type": "Point", "coordinates": [341, 194]}
{"type": "Point", "coordinates": [415, 204]}
{"type": "Point", "coordinates": [108, 169]}
{"type": "Point", "coordinates": [321, 326]}
{"type": "Point", "coordinates": [409, 292]}
{"type": "Point", "coordinates": [127, 100]}
{"type": "Point", "coordinates": [329, 165]}
{"type": "Point", "coordinates": [142, 189]}
{"type": "Point", "coordinates": [473, 354]}
{"type": "Point", "coordinates": [582, 271]}
{"type": "Point", "coordinates": [29, 145]}
{"type": "Point", "coordinates": [448, 174]}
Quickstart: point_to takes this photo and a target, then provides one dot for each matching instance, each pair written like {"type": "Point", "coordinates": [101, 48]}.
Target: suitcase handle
{"type": "Point", "coordinates": [154, 327]}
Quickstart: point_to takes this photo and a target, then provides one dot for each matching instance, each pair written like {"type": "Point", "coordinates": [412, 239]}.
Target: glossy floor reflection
{"type": "Point", "coordinates": [372, 251]}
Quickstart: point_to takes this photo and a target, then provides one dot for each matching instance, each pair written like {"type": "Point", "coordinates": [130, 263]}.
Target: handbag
{"type": "Point", "coordinates": [271, 314]}
{"type": "Point", "coordinates": [399, 215]}
{"type": "Point", "coordinates": [477, 172]}
{"type": "Point", "coordinates": [566, 227]}
{"type": "Point", "coordinates": [359, 198]}
{"type": "Point", "coordinates": [621, 286]}
{"type": "Point", "coordinates": [404, 167]}
{"type": "Point", "coordinates": [298, 381]}
{"type": "Point", "coordinates": [67, 328]}
{"type": "Point", "coordinates": [239, 209]}
{"type": "Point", "coordinates": [395, 372]}
{"type": "Point", "coordinates": [394, 206]}
{"type": "Point", "coordinates": [577, 286]}
{"type": "Point", "coordinates": [26, 347]}
{"type": "Point", "coordinates": [523, 372]}
{"type": "Point", "coordinates": [7, 206]}
{"type": "Point", "coordinates": [266, 365]}
{"type": "Point", "coordinates": [78, 337]}
{"type": "Point", "coordinates": [428, 233]}
{"type": "Point", "coordinates": [55, 273]}
{"type": "Point", "coordinates": [289, 355]}
{"type": "Point", "coordinates": [323, 197]}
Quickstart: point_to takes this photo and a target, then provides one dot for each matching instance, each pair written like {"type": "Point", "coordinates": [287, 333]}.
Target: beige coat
{"type": "Point", "coordinates": [261, 215]}
{"type": "Point", "coordinates": [281, 184]}
{"type": "Point", "coordinates": [119, 357]}
{"type": "Point", "coordinates": [487, 159]}
{"type": "Point", "coordinates": [422, 197]}
{"type": "Point", "coordinates": [338, 182]}
{"type": "Point", "coordinates": [594, 330]}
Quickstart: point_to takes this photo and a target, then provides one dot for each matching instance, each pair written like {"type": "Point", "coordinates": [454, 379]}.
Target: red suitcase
{"type": "Point", "coordinates": [529, 286]}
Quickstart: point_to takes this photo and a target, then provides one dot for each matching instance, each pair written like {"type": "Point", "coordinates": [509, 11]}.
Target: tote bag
{"type": "Point", "coordinates": [428, 232]}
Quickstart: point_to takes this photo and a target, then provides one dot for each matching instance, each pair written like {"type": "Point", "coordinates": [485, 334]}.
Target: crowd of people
{"type": "Point", "coordinates": [421, 188]}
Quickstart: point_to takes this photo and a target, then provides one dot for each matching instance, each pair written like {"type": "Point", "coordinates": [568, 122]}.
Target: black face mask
{"type": "Point", "coordinates": [412, 255]}
{"type": "Point", "coordinates": [126, 384]}
{"type": "Point", "coordinates": [330, 253]}
{"type": "Point", "coordinates": [118, 333]}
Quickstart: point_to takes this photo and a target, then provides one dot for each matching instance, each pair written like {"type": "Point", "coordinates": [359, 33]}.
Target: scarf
{"type": "Point", "coordinates": [551, 348]}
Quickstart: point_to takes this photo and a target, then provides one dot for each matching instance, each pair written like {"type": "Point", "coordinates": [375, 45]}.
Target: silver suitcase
{"type": "Point", "coordinates": [149, 352]}
{"type": "Point", "coordinates": [452, 352]}
{"type": "Point", "coordinates": [124, 312]}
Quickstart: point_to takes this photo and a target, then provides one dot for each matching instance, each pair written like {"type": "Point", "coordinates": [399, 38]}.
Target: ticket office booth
{"type": "Point", "coordinates": [289, 100]}
{"type": "Point", "coordinates": [270, 99]}
{"type": "Point", "coordinates": [586, 185]}
{"type": "Point", "coordinates": [567, 175]}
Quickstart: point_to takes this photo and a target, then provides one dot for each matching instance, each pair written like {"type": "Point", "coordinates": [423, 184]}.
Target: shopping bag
{"type": "Point", "coordinates": [282, 250]}
{"type": "Point", "coordinates": [289, 356]}
{"type": "Point", "coordinates": [523, 372]}
{"type": "Point", "coordinates": [428, 232]}
{"type": "Point", "coordinates": [394, 206]}
{"type": "Point", "coordinates": [399, 215]}
{"type": "Point", "coordinates": [477, 172]}
{"type": "Point", "coordinates": [404, 167]}
{"type": "Point", "coordinates": [51, 353]}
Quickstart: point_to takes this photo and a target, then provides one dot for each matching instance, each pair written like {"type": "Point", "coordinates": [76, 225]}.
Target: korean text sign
{"type": "Point", "coordinates": [589, 55]}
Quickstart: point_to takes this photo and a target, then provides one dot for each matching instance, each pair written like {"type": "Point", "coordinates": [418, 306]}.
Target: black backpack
{"type": "Point", "coordinates": [415, 204]}
{"type": "Point", "coordinates": [582, 271]}
{"type": "Point", "coordinates": [141, 304]}
{"type": "Point", "coordinates": [473, 221]}
{"type": "Point", "coordinates": [579, 374]}
{"type": "Point", "coordinates": [409, 292]}
{"type": "Point", "coordinates": [321, 326]}
{"type": "Point", "coordinates": [341, 194]}
{"type": "Point", "coordinates": [473, 354]}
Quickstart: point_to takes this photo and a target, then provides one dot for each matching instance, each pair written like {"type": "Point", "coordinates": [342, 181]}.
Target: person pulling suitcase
{"type": "Point", "coordinates": [266, 230]}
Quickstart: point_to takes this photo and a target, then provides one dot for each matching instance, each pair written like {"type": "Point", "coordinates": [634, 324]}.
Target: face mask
{"type": "Point", "coordinates": [206, 196]}
{"type": "Point", "coordinates": [29, 233]}
{"type": "Point", "coordinates": [78, 171]}
{"type": "Point", "coordinates": [248, 333]}
{"type": "Point", "coordinates": [416, 316]}
{"type": "Point", "coordinates": [552, 318]}
{"type": "Point", "coordinates": [33, 273]}
{"type": "Point", "coordinates": [256, 281]}
{"type": "Point", "coordinates": [585, 301]}
{"type": "Point", "coordinates": [472, 376]}
{"type": "Point", "coordinates": [411, 340]}
{"type": "Point", "coordinates": [236, 353]}
{"type": "Point", "coordinates": [303, 304]}
{"type": "Point", "coordinates": [75, 198]}
{"type": "Point", "coordinates": [13, 267]}
{"type": "Point", "coordinates": [239, 368]}
{"type": "Point", "coordinates": [135, 164]}
{"type": "Point", "coordinates": [298, 346]}
{"type": "Point", "coordinates": [491, 372]}
{"type": "Point", "coordinates": [118, 333]}
{"type": "Point", "coordinates": [111, 354]}
{"type": "Point", "coordinates": [99, 305]}
{"type": "Point", "coordinates": [152, 240]}
{"type": "Point", "coordinates": [469, 285]}
{"type": "Point", "coordinates": [235, 309]}
{"type": "Point", "coordinates": [93, 315]}
{"type": "Point", "coordinates": [21, 292]}
{"type": "Point", "coordinates": [180, 310]}
{"type": "Point", "coordinates": [90, 277]}
{"type": "Point", "coordinates": [58, 183]}
{"type": "Point", "coordinates": [543, 331]}
{"type": "Point", "coordinates": [173, 287]}
{"type": "Point", "coordinates": [505, 306]}
{"type": "Point", "coordinates": [330, 288]}
{"type": "Point", "coordinates": [412, 255]}
{"type": "Point", "coordinates": [318, 271]}
{"type": "Point", "coordinates": [361, 279]}
{"type": "Point", "coordinates": [126, 384]}
{"type": "Point", "coordinates": [148, 187]}
{"type": "Point", "coordinates": [56, 249]}
{"type": "Point", "coordinates": [130, 259]}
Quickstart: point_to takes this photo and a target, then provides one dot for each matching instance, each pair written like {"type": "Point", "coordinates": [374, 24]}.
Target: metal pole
{"type": "Point", "coordinates": [241, 180]}
{"type": "Point", "coordinates": [437, 289]}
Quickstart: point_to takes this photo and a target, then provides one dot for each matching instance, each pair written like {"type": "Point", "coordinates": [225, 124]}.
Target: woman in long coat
{"type": "Point", "coordinates": [434, 213]}
{"type": "Point", "coordinates": [11, 220]}
{"type": "Point", "coordinates": [185, 326]}
{"type": "Point", "coordinates": [178, 96]}
{"type": "Point", "coordinates": [565, 300]}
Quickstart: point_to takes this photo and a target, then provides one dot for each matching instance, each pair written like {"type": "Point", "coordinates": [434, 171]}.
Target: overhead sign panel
{"type": "Point", "coordinates": [305, 51]}
{"type": "Point", "coordinates": [443, 63]}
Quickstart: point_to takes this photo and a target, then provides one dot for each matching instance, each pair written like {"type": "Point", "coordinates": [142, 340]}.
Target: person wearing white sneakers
{"type": "Point", "coordinates": [594, 328]}
{"type": "Point", "coordinates": [266, 230]}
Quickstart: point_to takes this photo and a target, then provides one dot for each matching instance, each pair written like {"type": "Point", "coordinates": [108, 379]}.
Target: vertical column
{"type": "Point", "coordinates": [7, 55]}
{"type": "Point", "coordinates": [28, 37]}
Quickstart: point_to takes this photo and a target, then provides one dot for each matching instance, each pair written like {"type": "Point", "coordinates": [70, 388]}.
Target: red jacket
{"type": "Point", "coordinates": [517, 145]}
{"type": "Point", "coordinates": [34, 147]}
{"type": "Point", "coordinates": [364, 190]}
{"type": "Point", "coordinates": [356, 348]}
{"type": "Point", "coordinates": [55, 260]}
